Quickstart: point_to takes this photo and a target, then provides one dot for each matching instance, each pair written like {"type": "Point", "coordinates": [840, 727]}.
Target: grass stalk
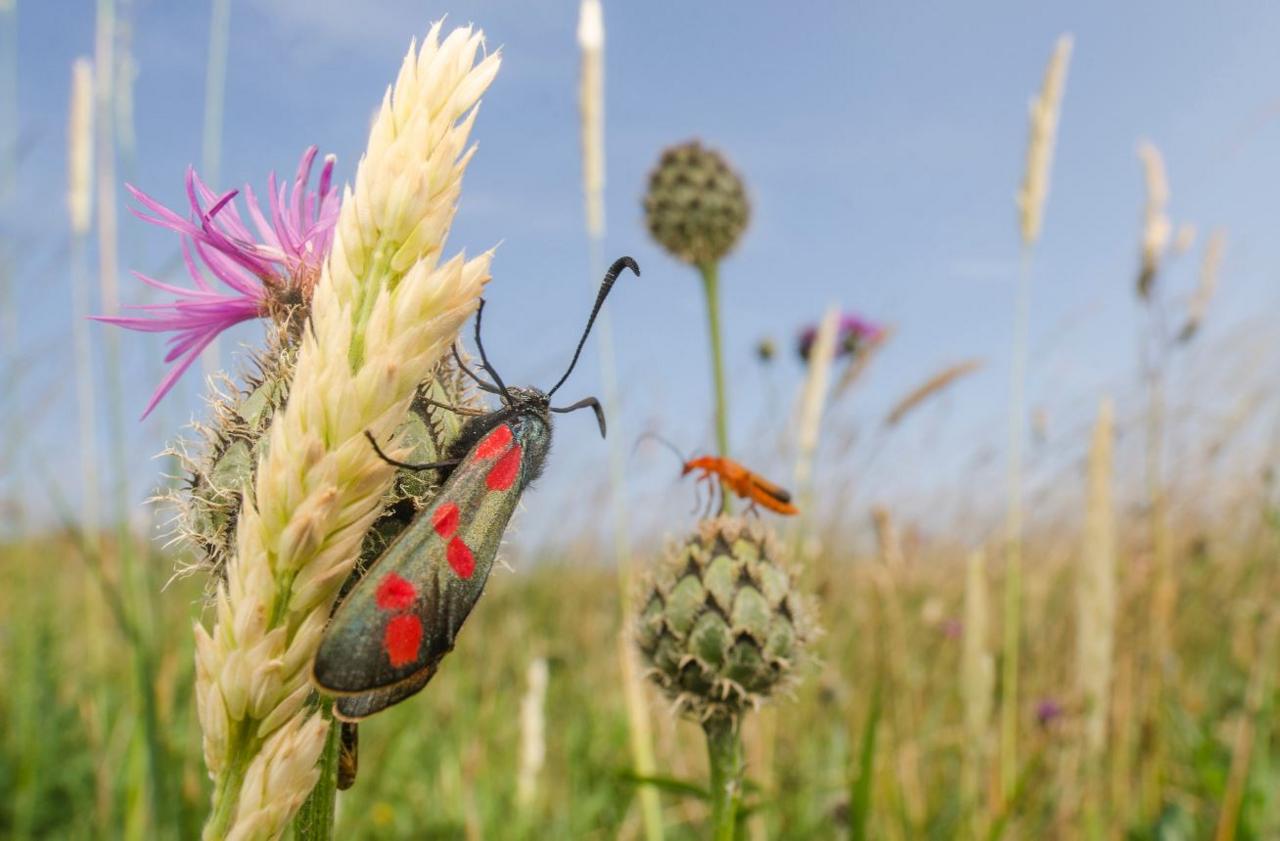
{"type": "Point", "coordinates": [1154, 361]}
{"type": "Point", "coordinates": [1096, 617]}
{"type": "Point", "coordinates": [1012, 632]}
{"type": "Point", "coordinates": [8, 175]}
{"type": "Point", "coordinates": [1243, 739]}
{"type": "Point", "coordinates": [813, 401]}
{"type": "Point", "coordinates": [977, 682]}
{"type": "Point", "coordinates": [1031, 199]}
{"type": "Point", "coordinates": [133, 570]}
{"type": "Point", "coordinates": [591, 103]}
{"type": "Point", "coordinates": [215, 85]}
{"type": "Point", "coordinates": [79, 209]}
{"type": "Point", "coordinates": [710, 273]}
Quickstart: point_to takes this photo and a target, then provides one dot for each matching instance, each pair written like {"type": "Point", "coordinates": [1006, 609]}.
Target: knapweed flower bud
{"type": "Point", "coordinates": [721, 623]}
{"type": "Point", "coordinates": [696, 206]}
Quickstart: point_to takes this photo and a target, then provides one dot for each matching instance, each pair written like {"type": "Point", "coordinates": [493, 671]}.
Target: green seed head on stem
{"type": "Point", "coordinates": [696, 206]}
{"type": "Point", "coordinates": [721, 623]}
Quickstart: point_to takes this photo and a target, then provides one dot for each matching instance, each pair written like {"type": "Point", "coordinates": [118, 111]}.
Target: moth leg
{"type": "Point", "coordinates": [457, 410]}
{"type": "Point", "coordinates": [348, 755]}
{"type": "Point", "coordinates": [434, 465]}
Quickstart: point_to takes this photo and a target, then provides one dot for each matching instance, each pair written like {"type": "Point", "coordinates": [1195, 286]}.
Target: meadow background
{"type": "Point", "coordinates": [882, 149]}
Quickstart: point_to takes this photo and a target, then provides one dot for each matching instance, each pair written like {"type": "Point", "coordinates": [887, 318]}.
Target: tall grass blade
{"type": "Point", "coordinates": [862, 780]}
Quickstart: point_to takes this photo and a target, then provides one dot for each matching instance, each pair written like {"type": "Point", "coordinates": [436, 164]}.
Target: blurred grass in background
{"type": "Point", "coordinates": [445, 765]}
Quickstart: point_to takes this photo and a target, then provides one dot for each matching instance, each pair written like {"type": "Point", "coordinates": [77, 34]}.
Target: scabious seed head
{"type": "Point", "coordinates": [696, 206]}
{"type": "Point", "coordinates": [721, 623]}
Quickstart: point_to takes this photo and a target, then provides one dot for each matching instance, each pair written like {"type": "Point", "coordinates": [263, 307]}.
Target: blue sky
{"type": "Point", "coordinates": [882, 145]}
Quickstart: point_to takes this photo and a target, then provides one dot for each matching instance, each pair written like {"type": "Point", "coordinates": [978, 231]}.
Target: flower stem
{"type": "Point", "coordinates": [314, 821]}
{"type": "Point", "coordinates": [724, 754]}
{"type": "Point", "coordinates": [711, 287]}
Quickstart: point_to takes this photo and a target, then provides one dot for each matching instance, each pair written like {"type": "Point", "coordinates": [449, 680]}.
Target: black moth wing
{"type": "Point", "coordinates": [388, 636]}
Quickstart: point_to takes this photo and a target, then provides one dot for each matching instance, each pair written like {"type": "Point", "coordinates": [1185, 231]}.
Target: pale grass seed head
{"type": "Point", "coordinates": [591, 111]}
{"type": "Point", "coordinates": [385, 309]}
{"type": "Point", "coordinates": [813, 398]}
{"type": "Point", "coordinates": [1156, 227]}
{"type": "Point", "coordinates": [1096, 587]}
{"type": "Point", "coordinates": [1044, 113]}
{"type": "Point", "coordinates": [533, 735]}
{"type": "Point", "coordinates": [80, 147]}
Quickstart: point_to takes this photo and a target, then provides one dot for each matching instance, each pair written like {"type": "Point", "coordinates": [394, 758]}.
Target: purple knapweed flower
{"type": "Point", "coordinates": [1048, 711]}
{"type": "Point", "coordinates": [267, 274]}
{"type": "Point", "coordinates": [853, 332]}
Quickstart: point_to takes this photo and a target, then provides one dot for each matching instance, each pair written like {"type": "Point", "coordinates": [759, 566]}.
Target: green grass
{"type": "Point", "coordinates": [73, 757]}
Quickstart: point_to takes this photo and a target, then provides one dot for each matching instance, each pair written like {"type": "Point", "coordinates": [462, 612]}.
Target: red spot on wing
{"type": "Point", "coordinates": [494, 443]}
{"type": "Point", "coordinates": [460, 558]}
{"type": "Point", "coordinates": [395, 593]}
{"type": "Point", "coordinates": [503, 474]}
{"type": "Point", "coordinates": [445, 520]}
{"type": "Point", "coordinates": [402, 639]}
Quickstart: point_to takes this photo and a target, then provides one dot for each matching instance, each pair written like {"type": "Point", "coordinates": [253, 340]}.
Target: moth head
{"type": "Point", "coordinates": [532, 399]}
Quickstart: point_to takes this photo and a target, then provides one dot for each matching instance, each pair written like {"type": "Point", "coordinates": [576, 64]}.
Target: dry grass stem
{"type": "Point", "coordinates": [1096, 592]}
{"type": "Point", "coordinates": [1210, 267]}
{"type": "Point", "coordinates": [533, 732]}
{"type": "Point", "coordinates": [888, 538]}
{"type": "Point", "coordinates": [934, 385]}
{"type": "Point", "coordinates": [862, 360]}
{"type": "Point", "coordinates": [977, 676]}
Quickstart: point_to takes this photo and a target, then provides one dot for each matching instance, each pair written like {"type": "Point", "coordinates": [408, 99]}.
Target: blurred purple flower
{"type": "Point", "coordinates": [854, 331]}
{"type": "Point", "coordinates": [952, 629]}
{"type": "Point", "coordinates": [266, 274]}
{"type": "Point", "coordinates": [1048, 711]}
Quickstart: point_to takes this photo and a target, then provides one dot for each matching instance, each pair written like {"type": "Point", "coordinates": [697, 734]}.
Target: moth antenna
{"type": "Point", "coordinates": [462, 366]}
{"type": "Point", "coordinates": [433, 465]}
{"type": "Point", "coordinates": [605, 285]}
{"type": "Point", "coordinates": [664, 442]}
{"type": "Point", "coordinates": [484, 359]}
{"type": "Point", "coordinates": [585, 402]}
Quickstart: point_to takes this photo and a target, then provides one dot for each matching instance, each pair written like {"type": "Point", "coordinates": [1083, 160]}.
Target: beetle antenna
{"type": "Point", "coordinates": [664, 442]}
{"type": "Point", "coordinates": [605, 285]}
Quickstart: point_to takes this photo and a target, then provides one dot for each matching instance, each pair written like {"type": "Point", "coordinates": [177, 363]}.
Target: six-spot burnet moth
{"type": "Point", "coordinates": [389, 634]}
